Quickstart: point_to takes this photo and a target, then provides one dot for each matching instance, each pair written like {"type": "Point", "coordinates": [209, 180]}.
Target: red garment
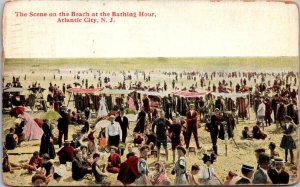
{"type": "Point", "coordinates": [35, 161]}
{"type": "Point", "coordinates": [192, 119]}
{"type": "Point", "coordinates": [40, 122]}
{"type": "Point", "coordinates": [115, 161]}
{"type": "Point", "coordinates": [128, 170]}
{"type": "Point", "coordinates": [66, 154]}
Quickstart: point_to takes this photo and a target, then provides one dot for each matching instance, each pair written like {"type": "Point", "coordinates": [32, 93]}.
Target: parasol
{"type": "Point", "coordinates": [102, 124]}
{"type": "Point", "coordinates": [51, 115]}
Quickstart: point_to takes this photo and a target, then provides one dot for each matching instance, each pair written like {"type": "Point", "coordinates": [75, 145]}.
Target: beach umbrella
{"type": "Point", "coordinates": [102, 124]}
{"type": "Point", "coordinates": [51, 115]}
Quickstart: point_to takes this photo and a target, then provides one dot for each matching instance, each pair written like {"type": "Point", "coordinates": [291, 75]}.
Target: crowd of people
{"type": "Point", "coordinates": [161, 121]}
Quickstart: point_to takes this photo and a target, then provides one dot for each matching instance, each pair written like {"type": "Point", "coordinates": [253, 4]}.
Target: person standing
{"type": "Point", "coordinates": [141, 119]}
{"type": "Point", "coordinates": [46, 145]}
{"type": "Point", "coordinates": [192, 126]}
{"type": "Point", "coordinates": [261, 112]}
{"type": "Point", "coordinates": [277, 173]}
{"type": "Point", "coordinates": [113, 132]}
{"type": "Point", "coordinates": [268, 111]}
{"type": "Point", "coordinates": [174, 132]}
{"type": "Point", "coordinates": [261, 175]}
{"type": "Point", "coordinates": [214, 129]}
{"type": "Point", "coordinates": [179, 169]}
{"type": "Point", "coordinates": [63, 125]}
{"type": "Point", "coordinates": [161, 125]}
{"type": "Point", "coordinates": [103, 111]}
{"type": "Point", "coordinates": [123, 121]}
{"type": "Point", "coordinates": [287, 141]}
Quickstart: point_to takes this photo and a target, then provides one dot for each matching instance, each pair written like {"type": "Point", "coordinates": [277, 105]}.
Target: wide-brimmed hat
{"type": "Point", "coordinates": [247, 167]}
{"type": "Point", "coordinates": [210, 158]}
{"type": "Point", "coordinates": [113, 147]}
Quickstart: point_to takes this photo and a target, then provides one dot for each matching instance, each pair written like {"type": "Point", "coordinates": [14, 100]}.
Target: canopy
{"type": "Point", "coordinates": [14, 89]}
{"type": "Point", "coordinates": [84, 91]}
{"type": "Point", "coordinates": [230, 95]}
{"type": "Point", "coordinates": [160, 94]}
{"type": "Point", "coordinates": [188, 94]}
{"type": "Point", "coordinates": [116, 91]}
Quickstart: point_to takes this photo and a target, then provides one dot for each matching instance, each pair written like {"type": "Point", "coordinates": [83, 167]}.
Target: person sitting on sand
{"type": "Point", "coordinates": [6, 165]}
{"type": "Point", "coordinates": [19, 124]}
{"type": "Point", "coordinates": [138, 139]}
{"type": "Point", "coordinates": [75, 143]}
{"type": "Point", "coordinates": [66, 154]}
{"type": "Point", "coordinates": [246, 133]}
{"type": "Point", "coordinates": [114, 161]}
{"type": "Point", "coordinates": [39, 180]}
{"type": "Point", "coordinates": [34, 162]}
{"type": "Point", "coordinates": [231, 178]}
{"type": "Point", "coordinates": [191, 176]}
{"type": "Point", "coordinates": [47, 166]}
{"type": "Point", "coordinates": [57, 176]}
{"type": "Point", "coordinates": [79, 166]}
{"type": "Point", "coordinates": [258, 134]}
{"type": "Point", "coordinates": [99, 171]}
{"type": "Point", "coordinates": [160, 177]}
{"type": "Point", "coordinates": [11, 140]}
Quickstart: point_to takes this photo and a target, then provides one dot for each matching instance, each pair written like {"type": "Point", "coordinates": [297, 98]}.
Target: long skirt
{"type": "Point", "coordinates": [287, 142]}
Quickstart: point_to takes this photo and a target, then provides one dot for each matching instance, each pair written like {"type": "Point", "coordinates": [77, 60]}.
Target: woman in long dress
{"type": "Point", "coordinates": [47, 142]}
{"type": "Point", "coordinates": [102, 108]}
{"type": "Point", "coordinates": [131, 105]}
{"type": "Point", "coordinates": [31, 130]}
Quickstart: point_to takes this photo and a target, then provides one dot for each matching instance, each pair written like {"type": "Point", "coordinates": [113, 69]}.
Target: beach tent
{"type": "Point", "coordinates": [87, 91]}
{"type": "Point", "coordinates": [188, 94]}
{"type": "Point", "coordinates": [151, 93]}
{"type": "Point", "coordinates": [234, 96]}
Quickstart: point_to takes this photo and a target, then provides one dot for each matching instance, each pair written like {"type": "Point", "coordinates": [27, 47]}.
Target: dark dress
{"type": "Point", "coordinates": [140, 126]}
{"type": "Point", "coordinates": [46, 145]}
{"type": "Point", "coordinates": [287, 141]}
{"type": "Point", "coordinates": [175, 129]}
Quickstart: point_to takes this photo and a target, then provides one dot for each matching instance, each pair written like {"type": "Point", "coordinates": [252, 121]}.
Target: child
{"type": "Point", "coordinates": [273, 153]}
{"type": "Point", "coordinates": [34, 163]}
{"type": "Point", "coordinates": [246, 133]}
{"type": "Point", "coordinates": [191, 177]}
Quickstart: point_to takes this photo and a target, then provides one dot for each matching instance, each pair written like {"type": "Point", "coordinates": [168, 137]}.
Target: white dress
{"type": "Point", "coordinates": [102, 108]}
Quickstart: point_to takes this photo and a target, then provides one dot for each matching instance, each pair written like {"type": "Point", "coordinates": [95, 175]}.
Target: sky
{"type": "Point", "coordinates": [180, 29]}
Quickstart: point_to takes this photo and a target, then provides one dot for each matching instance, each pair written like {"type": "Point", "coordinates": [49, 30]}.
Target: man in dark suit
{"type": "Point", "coordinates": [63, 125]}
{"type": "Point", "coordinates": [261, 175]}
{"type": "Point", "coordinates": [247, 172]}
{"type": "Point", "coordinates": [277, 174]}
{"type": "Point", "coordinates": [214, 129]}
{"type": "Point", "coordinates": [123, 120]}
{"type": "Point", "coordinates": [192, 125]}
